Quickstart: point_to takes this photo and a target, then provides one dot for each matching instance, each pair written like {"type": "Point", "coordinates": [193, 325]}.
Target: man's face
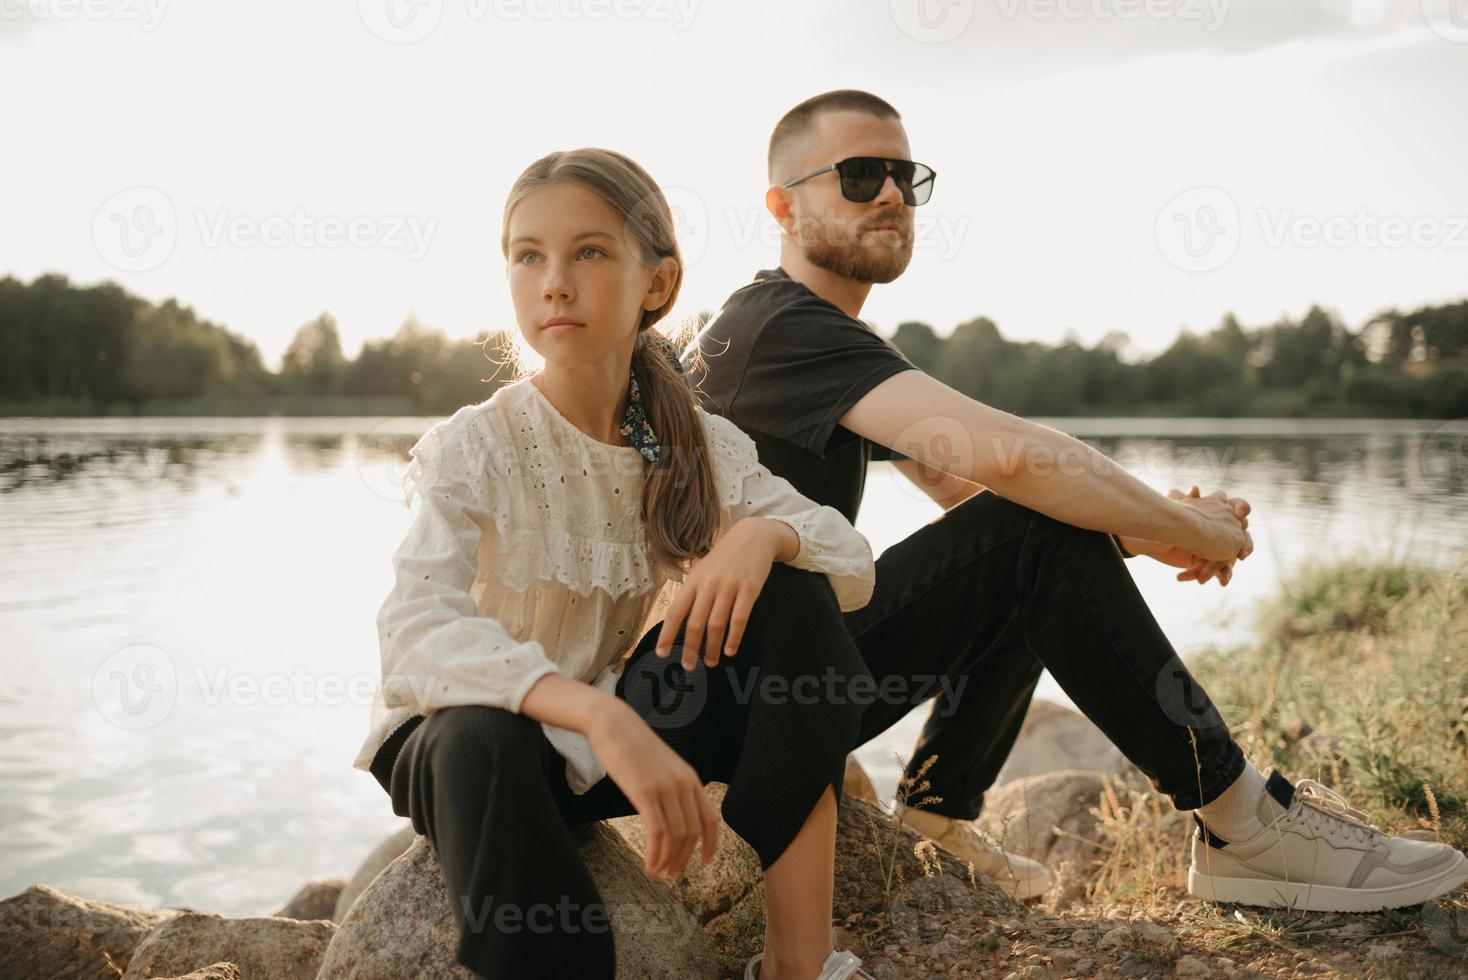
{"type": "Point", "coordinates": [868, 242]}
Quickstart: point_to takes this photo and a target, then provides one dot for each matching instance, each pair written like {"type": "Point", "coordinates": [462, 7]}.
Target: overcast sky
{"type": "Point", "coordinates": [1137, 165]}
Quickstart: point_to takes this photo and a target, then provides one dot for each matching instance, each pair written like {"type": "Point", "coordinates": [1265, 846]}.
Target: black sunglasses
{"type": "Point", "coordinates": [862, 178]}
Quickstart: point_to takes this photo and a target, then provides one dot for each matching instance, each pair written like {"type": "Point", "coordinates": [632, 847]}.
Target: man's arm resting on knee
{"type": "Point", "coordinates": [1032, 464]}
{"type": "Point", "coordinates": [947, 490]}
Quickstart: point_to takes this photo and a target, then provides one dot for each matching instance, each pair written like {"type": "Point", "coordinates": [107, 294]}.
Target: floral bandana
{"type": "Point", "coordinates": [635, 425]}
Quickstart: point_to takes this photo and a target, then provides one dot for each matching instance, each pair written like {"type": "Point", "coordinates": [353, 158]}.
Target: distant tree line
{"type": "Point", "coordinates": [99, 349]}
{"type": "Point", "coordinates": [1399, 364]}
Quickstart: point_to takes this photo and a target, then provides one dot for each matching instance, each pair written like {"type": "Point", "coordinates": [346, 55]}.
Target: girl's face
{"type": "Point", "coordinates": [570, 258]}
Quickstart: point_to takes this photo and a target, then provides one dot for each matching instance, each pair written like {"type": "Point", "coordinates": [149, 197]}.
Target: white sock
{"type": "Point", "coordinates": [1234, 815]}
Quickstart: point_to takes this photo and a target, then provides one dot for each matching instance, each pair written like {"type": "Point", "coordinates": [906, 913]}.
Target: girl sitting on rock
{"type": "Point", "coordinates": [520, 693]}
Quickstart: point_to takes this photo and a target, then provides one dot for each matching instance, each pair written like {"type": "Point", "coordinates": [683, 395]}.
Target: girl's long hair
{"type": "Point", "coordinates": [680, 506]}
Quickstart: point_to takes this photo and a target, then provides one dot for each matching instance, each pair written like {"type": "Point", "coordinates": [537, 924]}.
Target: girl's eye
{"type": "Point", "coordinates": [523, 255]}
{"type": "Point", "coordinates": [590, 248]}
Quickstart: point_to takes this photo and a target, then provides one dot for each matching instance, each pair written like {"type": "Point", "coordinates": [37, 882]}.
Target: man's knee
{"type": "Point", "coordinates": [986, 511]}
{"type": "Point", "coordinates": [989, 510]}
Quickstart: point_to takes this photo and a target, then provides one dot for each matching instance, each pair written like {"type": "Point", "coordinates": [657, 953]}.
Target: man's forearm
{"type": "Point", "coordinates": [1060, 476]}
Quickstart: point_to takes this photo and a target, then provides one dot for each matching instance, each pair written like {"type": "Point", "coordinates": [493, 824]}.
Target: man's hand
{"type": "Point", "coordinates": [1194, 568]}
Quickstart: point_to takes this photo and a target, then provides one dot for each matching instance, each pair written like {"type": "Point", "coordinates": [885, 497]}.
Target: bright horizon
{"type": "Point", "coordinates": [1135, 165]}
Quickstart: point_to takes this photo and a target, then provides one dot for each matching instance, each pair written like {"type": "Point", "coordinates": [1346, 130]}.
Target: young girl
{"type": "Point", "coordinates": [517, 698]}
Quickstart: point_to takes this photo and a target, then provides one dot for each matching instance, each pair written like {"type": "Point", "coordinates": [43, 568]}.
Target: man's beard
{"type": "Point", "coordinates": [877, 263]}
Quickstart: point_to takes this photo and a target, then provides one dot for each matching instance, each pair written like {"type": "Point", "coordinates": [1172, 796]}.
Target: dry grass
{"type": "Point", "coordinates": [1360, 681]}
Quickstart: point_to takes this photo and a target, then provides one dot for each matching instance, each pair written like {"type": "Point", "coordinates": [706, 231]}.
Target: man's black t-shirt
{"type": "Point", "coordinates": [784, 365]}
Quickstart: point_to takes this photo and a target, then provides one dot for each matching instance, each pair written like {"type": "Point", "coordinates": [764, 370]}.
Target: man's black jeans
{"type": "Point", "coordinates": [984, 597]}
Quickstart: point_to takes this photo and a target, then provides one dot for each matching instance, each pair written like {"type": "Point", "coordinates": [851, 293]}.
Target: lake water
{"type": "Point", "coordinates": [187, 606]}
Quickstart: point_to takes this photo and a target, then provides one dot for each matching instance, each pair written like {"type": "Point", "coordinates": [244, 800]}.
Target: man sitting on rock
{"type": "Point", "coordinates": [972, 606]}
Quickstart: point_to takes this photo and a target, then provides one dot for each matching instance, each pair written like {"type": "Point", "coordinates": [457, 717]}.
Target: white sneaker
{"type": "Point", "coordinates": [1020, 876]}
{"type": "Point", "coordinates": [840, 965]}
{"type": "Point", "coordinates": [1318, 853]}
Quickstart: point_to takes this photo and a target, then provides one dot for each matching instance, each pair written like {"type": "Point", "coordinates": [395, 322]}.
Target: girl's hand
{"type": "Point", "coordinates": [721, 587]}
{"type": "Point", "coordinates": [660, 783]}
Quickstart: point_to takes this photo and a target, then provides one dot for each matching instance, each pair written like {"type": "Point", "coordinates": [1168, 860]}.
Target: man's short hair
{"type": "Point", "coordinates": [796, 124]}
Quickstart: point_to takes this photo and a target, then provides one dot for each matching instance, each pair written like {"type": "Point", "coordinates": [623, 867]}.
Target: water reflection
{"type": "Point", "coordinates": [244, 560]}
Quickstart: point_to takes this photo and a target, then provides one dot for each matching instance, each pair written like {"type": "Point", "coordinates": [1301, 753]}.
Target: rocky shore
{"type": "Point", "coordinates": [910, 908]}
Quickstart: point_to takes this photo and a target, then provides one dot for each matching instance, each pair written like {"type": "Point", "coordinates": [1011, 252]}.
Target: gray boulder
{"type": "Point", "coordinates": [315, 900]}
{"type": "Point", "coordinates": [382, 855]}
{"type": "Point", "coordinates": [857, 784]}
{"type": "Point", "coordinates": [1053, 738]}
{"type": "Point", "coordinates": [264, 946]}
{"type": "Point", "coordinates": [402, 925]}
{"type": "Point", "coordinates": [50, 933]}
{"type": "Point", "coordinates": [214, 971]}
{"type": "Point", "coordinates": [878, 868]}
{"type": "Point", "coordinates": [1048, 817]}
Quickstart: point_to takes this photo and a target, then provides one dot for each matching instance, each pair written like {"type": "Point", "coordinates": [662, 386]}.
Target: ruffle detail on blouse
{"type": "Point", "coordinates": [581, 564]}
{"type": "Point", "coordinates": [474, 453]}
{"type": "Point", "coordinates": [735, 457]}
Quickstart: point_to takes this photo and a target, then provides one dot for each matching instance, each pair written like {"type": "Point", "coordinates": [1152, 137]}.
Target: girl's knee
{"type": "Point", "coordinates": [792, 596]}
{"type": "Point", "coordinates": [473, 737]}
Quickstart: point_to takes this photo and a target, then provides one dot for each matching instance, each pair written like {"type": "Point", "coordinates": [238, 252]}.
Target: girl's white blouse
{"type": "Point", "coordinates": [526, 555]}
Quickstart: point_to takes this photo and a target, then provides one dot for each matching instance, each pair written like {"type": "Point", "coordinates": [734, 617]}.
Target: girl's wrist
{"type": "Point", "coordinates": [780, 538]}
{"type": "Point", "coordinates": [605, 715]}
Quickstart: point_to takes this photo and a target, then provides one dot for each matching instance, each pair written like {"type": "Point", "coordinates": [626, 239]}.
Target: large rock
{"type": "Point", "coordinates": [857, 784]}
{"type": "Point", "coordinates": [706, 890]}
{"type": "Point", "coordinates": [49, 933]}
{"type": "Point", "coordinates": [1048, 817]}
{"type": "Point", "coordinates": [264, 946]}
{"type": "Point", "coordinates": [877, 869]}
{"type": "Point", "coordinates": [382, 855]}
{"type": "Point", "coordinates": [214, 971]}
{"type": "Point", "coordinates": [1054, 737]}
{"type": "Point", "coordinates": [315, 900]}
{"type": "Point", "coordinates": [402, 925]}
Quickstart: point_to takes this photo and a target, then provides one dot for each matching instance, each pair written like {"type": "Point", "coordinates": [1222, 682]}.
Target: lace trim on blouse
{"type": "Point", "coordinates": [546, 490]}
